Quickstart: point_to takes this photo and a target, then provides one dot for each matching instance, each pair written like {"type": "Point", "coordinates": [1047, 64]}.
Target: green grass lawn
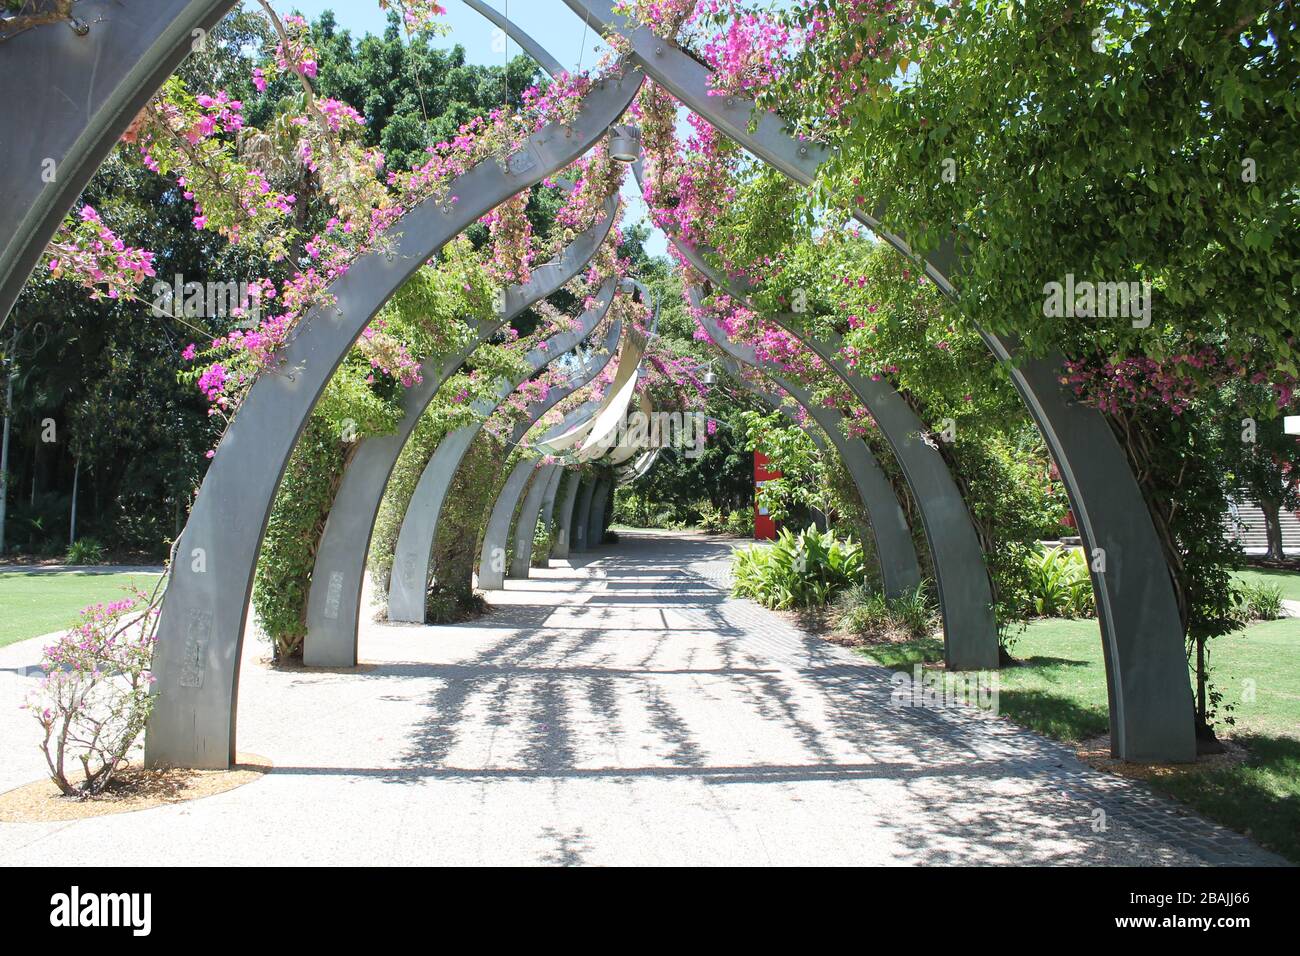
{"type": "Point", "coordinates": [1288, 581]}
{"type": "Point", "coordinates": [1059, 689]}
{"type": "Point", "coordinates": [33, 603]}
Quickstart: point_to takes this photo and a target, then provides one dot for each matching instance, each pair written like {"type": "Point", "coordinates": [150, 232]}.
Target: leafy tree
{"type": "Point", "coordinates": [1265, 470]}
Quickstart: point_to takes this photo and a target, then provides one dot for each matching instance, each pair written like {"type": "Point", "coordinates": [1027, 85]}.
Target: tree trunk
{"type": "Point", "coordinates": [1273, 529]}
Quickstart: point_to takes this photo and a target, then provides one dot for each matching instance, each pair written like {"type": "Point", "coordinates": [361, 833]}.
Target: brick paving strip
{"type": "Point", "coordinates": [621, 709]}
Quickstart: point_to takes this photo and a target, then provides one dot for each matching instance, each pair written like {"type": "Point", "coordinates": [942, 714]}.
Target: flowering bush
{"type": "Point", "coordinates": [89, 252]}
{"type": "Point", "coordinates": [94, 699]}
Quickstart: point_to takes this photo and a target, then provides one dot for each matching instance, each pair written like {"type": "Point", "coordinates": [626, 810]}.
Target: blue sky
{"type": "Point", "coordinates": [549, 22]}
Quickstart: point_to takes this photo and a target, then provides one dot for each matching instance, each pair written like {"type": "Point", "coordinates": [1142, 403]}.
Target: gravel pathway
{"type": "Point", "coordinates": [619, 709]}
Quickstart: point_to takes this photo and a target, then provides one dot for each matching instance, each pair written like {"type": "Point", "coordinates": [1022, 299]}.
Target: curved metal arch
{"type": "Point", "coordinates": [564, 516]}
{"type": "Point", "coordinates": [201, 629]}
{"type": "Point", "coordinates": [607, 416]}
{"type": "Point", "coordinates": [900, 571]}
{"type": "Point", "coordinates": [408, 582]}
{"type": "Point", "coordinates": [492, 553]}
{"type": "Point", "coordinates": [1142, 642]}
{"type": "Point", "coordinates": [530, 46]}
{"type": "Point", "coordinates": [334, 601]}
{"type": "Point", "coordinates": [965, 593]}
{"type": "Point", "coordinates": [638, 469]}
{"type": "Point", "coordinates": [78, 94]}
{"type": "Point", "coordinates": [564, 540]}
{"type": "Point", "coordinates": [521, 558]}
{"type": "Point", "coordinates": [622, 450]}
{"type": "Point", "coordinates": [547, 514]}
{"type": "Point", "coordinates": [596, 516]}
{"type": "Point", "coordinates": [613, 413]}
{"type": "Point", "coordinates": [579, 523]}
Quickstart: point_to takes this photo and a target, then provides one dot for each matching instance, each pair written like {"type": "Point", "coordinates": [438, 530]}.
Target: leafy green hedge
{"type": "Point", "coordinates": [440, 420]}
{"type": "Point", "coordinates": [797, 571]}
{"type": "Point", "coordinates": [465, 513]}
{"type": "Point", "coordinates": [289, 548]}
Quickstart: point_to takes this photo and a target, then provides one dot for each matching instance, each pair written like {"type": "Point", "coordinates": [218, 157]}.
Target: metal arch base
{"type": "Point", "coordinates": [334, 601]}
{"type": "Point", "coordinates": [200, 633]}
{"type": "Point", "coordinates": [547, 513]}
{"type": "Point", "coordinates": [895, 550]}
{"type": "Point", "coordinates": [408, 582]}
{"type": "Point", "coordinates": [1150, 695]}
{"type": "Point", "coordinates": [72, 97]}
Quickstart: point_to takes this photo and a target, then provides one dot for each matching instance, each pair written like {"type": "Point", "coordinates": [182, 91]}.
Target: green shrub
{"type": "Point", "coordinates": [712, 520]}
{"type": "Point", "coordinates": [293, 533]}
{"type": "Point", "coordinates": [543, 543]}
{"type": "Point", "coordinates": [1258, 602]}
{"type": "Point", "coordinates": [862, 611]}
{"type": "Point", "coordinates": [741, 523]}
{"type": "Point", "coordinates": [85, 551]}
{"type": "Point", "coordinates": [797, 571]}
{"type": "Point", "coordinates": [1059, 584]}
{"type": "Point", "coordinates": [444, 605]}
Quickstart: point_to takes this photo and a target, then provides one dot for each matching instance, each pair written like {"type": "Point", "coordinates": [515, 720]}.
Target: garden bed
{"type": "Point", "coordinates": [134, 788]}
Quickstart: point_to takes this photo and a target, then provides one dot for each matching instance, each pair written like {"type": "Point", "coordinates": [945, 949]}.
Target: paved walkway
{"type": "Point", "coordinates": [621, 711]}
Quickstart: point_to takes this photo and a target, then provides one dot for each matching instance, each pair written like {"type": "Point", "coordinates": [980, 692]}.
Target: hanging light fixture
{"type": "Point", "coordinates": [624, 143]}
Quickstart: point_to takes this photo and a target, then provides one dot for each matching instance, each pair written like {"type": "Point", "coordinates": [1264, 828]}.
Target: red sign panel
{"type": "Point", "coordinates": [764, 526]}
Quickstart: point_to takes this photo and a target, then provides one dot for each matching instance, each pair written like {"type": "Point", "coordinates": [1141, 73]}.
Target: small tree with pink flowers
{"type": "Point", "coordinates": [94, 699]}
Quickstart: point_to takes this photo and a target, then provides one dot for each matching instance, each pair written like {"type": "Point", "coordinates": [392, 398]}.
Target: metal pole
{"type": "Point", "coordinates": [72, 527]}
{"type": "Point", "coordinates": [4, 442]}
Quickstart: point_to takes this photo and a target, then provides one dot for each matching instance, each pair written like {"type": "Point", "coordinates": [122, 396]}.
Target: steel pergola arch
{"type": "Point", "coordinates": [900, 571]}
{"type": "Point", "coordinates": [564, 544]}
{"type": "Point", "coordinates": [961, 579]}
{"type": "Point", "coordinates": [521, 559]}
{"type": "Point", "coordinates": [408, 580]}
{"type": "Point", "coordinates": [334, 600]}
{"type": "Point", "coordinates": [1150, 701]}
{"type": "Point", "coordinates": [205, 609]}
{"type": "Point", "coordinates": [72, 95]}
{"type": "Point", "coordinates": [547, 512]}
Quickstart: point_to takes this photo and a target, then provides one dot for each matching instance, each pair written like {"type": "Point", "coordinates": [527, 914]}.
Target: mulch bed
{"type": "Point", "coordinates": [1095, 752]}
{"type": "Point", "coordinates": [134, 788]}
